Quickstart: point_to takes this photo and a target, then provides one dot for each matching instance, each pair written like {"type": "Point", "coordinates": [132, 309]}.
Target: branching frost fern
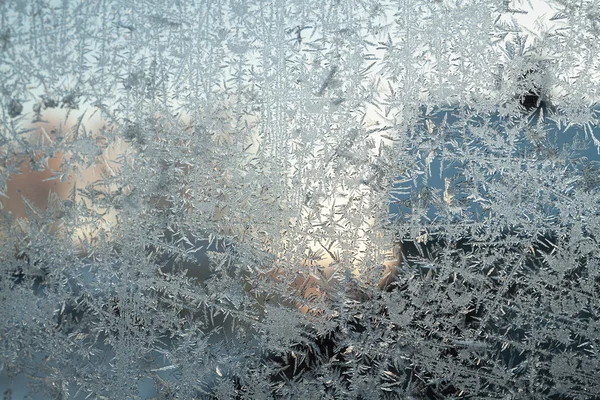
{"type": "Point", "coordinates": [300, 199]}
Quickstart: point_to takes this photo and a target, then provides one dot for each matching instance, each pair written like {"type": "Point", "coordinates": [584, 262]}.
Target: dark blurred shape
{"type": "Point", "coordinates": [49, 102]}
{"type": "Point", "coordinates": [15, 108]}
{"type": "Point", "coordinates": [535, 99]}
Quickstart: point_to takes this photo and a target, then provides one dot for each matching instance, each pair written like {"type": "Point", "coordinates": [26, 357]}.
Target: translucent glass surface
{"type": "Point", "coordinates": [329, 199]}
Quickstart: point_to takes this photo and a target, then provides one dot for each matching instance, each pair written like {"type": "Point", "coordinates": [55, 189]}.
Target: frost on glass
{"type": "Point", "coordinates": [299, 199]}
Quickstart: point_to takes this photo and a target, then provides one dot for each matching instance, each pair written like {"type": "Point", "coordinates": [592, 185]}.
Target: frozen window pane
{"type": "Point", "coordinates": [299, 199]}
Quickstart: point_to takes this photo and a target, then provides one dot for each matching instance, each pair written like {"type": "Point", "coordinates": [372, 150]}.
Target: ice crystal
{"type": "Point", "coordinates": [299, 199]}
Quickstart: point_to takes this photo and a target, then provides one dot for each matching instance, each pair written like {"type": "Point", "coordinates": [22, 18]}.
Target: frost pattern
{"type": "Point", "coordinates": [300, 199]}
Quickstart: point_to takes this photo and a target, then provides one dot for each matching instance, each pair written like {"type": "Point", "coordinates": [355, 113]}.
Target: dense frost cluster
{"type": "Point", "coordinates": [329, 199]}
